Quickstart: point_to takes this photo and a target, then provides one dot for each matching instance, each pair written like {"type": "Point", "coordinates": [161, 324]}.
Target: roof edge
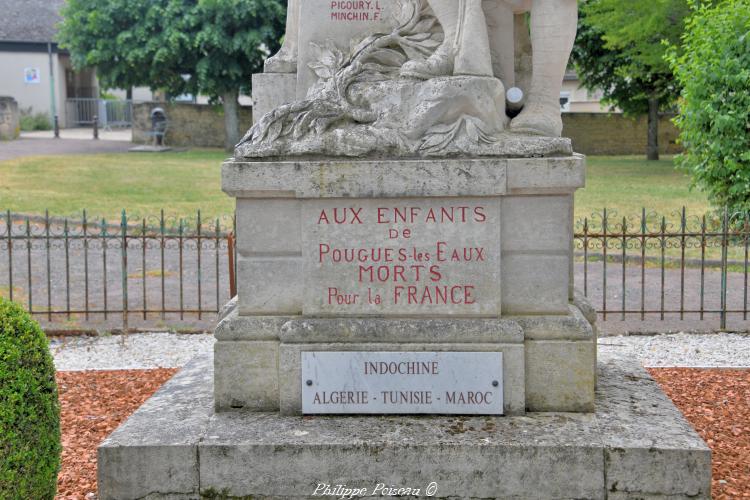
{"type": "Point", "coordinates": [23, 46]}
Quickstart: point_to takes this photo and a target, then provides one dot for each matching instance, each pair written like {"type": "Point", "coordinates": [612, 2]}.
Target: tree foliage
{"type": "Point", "coordinates": [624, 43]}
{"type": "Point", "coordinates": [232, 39]}
{"type": "Point", "coordinates": [29, 408]}
{"type": "Point", "coordinates": [620, 51]}
{"type": "Point", "coordinates": [598, 68]}
{"type": "Point", "coordinates": [211, 47]}
{"type": "Point", "coordinates": [714, 73]}
{"type": "Point", "coordinates": [217, 44]}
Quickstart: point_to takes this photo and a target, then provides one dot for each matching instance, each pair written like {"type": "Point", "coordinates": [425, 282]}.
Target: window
{"type": "Point", "coordinates": [565, 102]}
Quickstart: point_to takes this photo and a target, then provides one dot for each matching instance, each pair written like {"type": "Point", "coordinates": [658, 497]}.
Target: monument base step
{"type": "Point", "coordinates": [636, 445]}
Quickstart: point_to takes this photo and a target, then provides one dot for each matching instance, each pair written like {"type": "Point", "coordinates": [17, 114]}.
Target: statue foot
{"type": "Point", "coordinates": [538, 119]}
{"type": "Point", "coordinates": [285, 61]}
{"type": "Point", "coordinates": [438, 64]}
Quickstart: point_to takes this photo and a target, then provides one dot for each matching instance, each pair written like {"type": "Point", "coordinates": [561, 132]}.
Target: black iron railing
{"type": "Point", "coordinates": [170, 271]}
{"type": "Point", "coordinates": [83, 270]}
{"type": "Point", "coordinates": [651, 265]}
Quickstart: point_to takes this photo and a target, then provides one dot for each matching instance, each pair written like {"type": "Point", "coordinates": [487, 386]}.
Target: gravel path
{"type": "Point", "coordinates": [170, 350]}
{"type": "Point", "coordinates": [682, 350]}
{"type": "Point", "coordinates": [136, 351]}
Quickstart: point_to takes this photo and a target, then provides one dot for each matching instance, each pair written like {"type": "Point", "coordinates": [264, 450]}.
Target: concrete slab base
{"type": "Point", "coordinates": [636, 445]}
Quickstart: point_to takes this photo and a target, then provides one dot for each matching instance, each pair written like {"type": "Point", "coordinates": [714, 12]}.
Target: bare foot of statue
{"type": "Point", "coordinates": [538, 119]}
{"type": "Point", "coordinates": [438, 64]}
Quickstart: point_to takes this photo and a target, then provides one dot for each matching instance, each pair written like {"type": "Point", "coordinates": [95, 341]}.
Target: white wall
{"type": "Point", "coordinates": [581, 100]}
{"type": "Point", "coordinates": [242, 99]}
{"type": "Point", "coordinates": [144, 94]}
{"type": "Point", "coordinates": [139, 94]}
{"type": "Point", "coordinates": [36, 96]}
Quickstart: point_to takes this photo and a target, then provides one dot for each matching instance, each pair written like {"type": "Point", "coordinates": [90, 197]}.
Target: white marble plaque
{"type": "Point", "coordinates": [345, 23]}
{"type": "Point", "coordinates": [404, 256]}
{"type": "Point", "coordinates": [450, 383]}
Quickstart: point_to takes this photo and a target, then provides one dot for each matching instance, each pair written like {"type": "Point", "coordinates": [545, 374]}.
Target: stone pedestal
{"type": "Point", "coordinates": [636, 445]}
{"type": "Point", "coordinates": [271, 90]}
{"type": "Point", "coordinates": [497, 231]}
{"type": "Point", "coordinates": [231, 428]}
{"type": "Point", "coordinates": [404, 249]}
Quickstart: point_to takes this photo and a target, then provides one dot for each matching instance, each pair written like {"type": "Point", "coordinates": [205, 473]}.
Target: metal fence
{"type": "Point", "coordinates": [160, 270]}
{"type": "Point", "coordinates": [656, 267]}
{"type": "Point", "coordinates": [178, 272]}
{"type": "Point", "coordinates": [80, 112]}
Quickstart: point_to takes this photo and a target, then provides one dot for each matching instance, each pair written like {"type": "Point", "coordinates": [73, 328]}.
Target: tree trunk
{"type": "Point", "coordinates": [652, 152]}
{"type": "Point", "coordinates": [231, 119]}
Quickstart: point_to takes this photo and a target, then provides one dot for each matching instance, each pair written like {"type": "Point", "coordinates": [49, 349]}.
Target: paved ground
{"type": "Point", "coordinates": [170, 350]}
{"type": "Point", "coordinates": [34, 145]}
{"type": "Point", "coordinates": [690, 292]}
{"type": "Point", "coordinates": [116, 134]}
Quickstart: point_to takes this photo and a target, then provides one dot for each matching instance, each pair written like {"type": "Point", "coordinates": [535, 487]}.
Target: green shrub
{"type": "Point", "coordinates": [29, 409]}
{"type": "Point", "coordinates": [714, 72]}
{"type": "Point", "coordinates": [34, 121]}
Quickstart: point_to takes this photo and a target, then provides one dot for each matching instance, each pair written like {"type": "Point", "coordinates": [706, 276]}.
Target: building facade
{"type": "Point", "coordinates": [35, 71]}
{"type": "Point", "coordinates": [575, 98]}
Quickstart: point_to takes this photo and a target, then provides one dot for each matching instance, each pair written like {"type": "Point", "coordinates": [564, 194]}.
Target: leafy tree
{"type": "Point", "coordinates": [714, 72]}
{"type": "Point", "coordinates": [620, 50]}
{"type": "Point", "coordinates": [210, 47]}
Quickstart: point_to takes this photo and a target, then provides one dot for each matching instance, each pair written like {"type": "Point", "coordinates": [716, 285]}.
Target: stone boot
{"type": "Point", "coordinates": [438, 64]}
{"type": "Point", "coordinates": [538, 119]}
{"type": "Point", "coordinates": [553, 31]}
{"type": "Point", "coordinates": [284, 61]}
{"type": "Point", "coordinates": [441, 62]}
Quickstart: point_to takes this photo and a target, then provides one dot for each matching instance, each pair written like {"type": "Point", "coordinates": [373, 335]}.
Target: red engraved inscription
{"type": "Point", "coordinates": [404, 268]}
{"type": "Point", "coordinates": [356, 10]}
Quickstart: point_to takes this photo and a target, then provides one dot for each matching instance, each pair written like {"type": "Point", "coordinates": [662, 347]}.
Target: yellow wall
{"type": "Point", "coordinates": [614, 134]}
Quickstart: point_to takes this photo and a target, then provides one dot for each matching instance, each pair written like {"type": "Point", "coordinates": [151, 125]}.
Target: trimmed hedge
{"type": "Point", "coordinates": [29, 409]}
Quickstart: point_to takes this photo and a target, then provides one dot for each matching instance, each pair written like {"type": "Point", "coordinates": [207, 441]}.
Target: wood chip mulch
{"type": "Point", "coordinates": [92, 405]}
{"type": "Point", "coordinates": [715, 401]}
{"type": "Point", "coordinates": [717, 404]}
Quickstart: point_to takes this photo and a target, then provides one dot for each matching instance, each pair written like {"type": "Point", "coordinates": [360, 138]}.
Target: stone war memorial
{"type": "Point", "coordinates": [406, 322]}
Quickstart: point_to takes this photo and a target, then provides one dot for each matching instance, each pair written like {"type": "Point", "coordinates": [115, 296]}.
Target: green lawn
{"type": "Point", "coordinates": [626, 184]}
{"type": "Point", "coordinates": [104, 184]}
{"type": "Point", "coordinates": [182, 182]}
